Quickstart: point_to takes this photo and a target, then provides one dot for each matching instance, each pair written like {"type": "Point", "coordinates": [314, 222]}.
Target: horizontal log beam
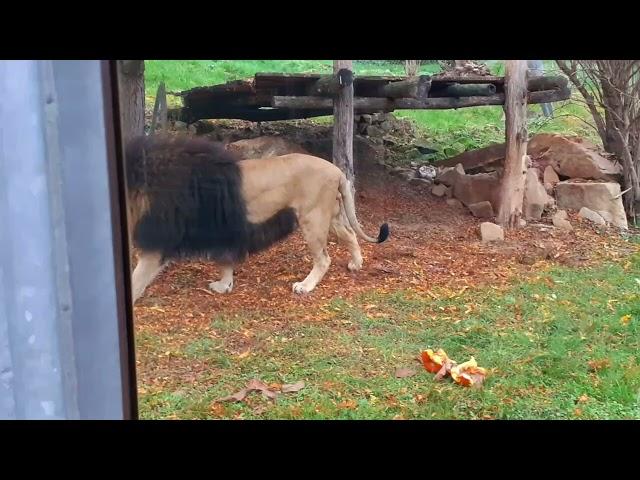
{"type": "Point", "coordinates": [288, 108]}
{"type": "Point", "coordinates": [414, 87]}
{"type": "Point", "coordinates": [315, 103]}
{"type": "Point", "coordinates": [467, 90]}
{"type": "Point", "coordinates": [537, 84]}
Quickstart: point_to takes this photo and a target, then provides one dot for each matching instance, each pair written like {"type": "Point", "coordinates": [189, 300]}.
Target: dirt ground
{"type": "Point", "coordinates": [432, 246]}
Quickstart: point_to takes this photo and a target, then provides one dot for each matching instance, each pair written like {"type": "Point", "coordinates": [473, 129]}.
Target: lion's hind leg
{"type": "Point", "coordinates": [346, 236]}
{"type": "Point", "coordinates": [315, 229]}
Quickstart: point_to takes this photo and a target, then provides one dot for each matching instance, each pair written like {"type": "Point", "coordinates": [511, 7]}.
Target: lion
{"type": "Point", "coordinates": [189, 198]}
{"type": "Point", "coordinates": [260, 147]}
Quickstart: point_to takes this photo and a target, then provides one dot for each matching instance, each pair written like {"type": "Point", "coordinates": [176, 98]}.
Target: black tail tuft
{"type": "Point", "coordinates": [384, 233]}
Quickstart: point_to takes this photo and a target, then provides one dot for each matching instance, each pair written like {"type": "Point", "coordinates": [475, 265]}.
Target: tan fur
{"type": "Point", "coordinates": [262, 147]}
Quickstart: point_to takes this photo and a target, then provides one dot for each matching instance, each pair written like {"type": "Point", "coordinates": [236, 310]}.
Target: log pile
{"type": "Point", "coordinates": [279, 96]}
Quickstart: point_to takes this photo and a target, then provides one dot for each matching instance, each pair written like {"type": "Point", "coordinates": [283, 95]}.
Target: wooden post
{"type": "Point", "coordinates": [513, 178]}
{"type": "Point", "coordinates": [343, 119]}
{"type": "Point", "coordinates": [131, 86]}
{"type": "Point", "coordinates": [159, 110]}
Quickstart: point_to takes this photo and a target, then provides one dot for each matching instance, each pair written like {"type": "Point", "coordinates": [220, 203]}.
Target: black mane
{"type": "Point", "coordinates": [196, 208]}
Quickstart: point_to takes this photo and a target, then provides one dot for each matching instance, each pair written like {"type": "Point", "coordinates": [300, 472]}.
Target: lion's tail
{"type": "Point", "coordinates": [350, 209]}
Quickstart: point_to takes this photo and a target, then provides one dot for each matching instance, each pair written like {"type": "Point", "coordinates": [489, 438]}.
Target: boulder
{"type": "Point", "coordinates": [373, 131]}
{"type": "Point", "coordinates": [535, 196]}
{"type": "Point", "coordinates": [454, 202]}
{"type": "Point", "coordinates": [550, 176]}
{"type": "Point", "coordinates": [561, 221]}
{"type": "Point", "coordinates": [561, 214]}
{"type": "Point", "coordinates": [595, 196]}
{"type": "Point", "coordinates": [591, 215]}
{"type": "Point", "coordinates": [573, 157]}
{"type": "Point", "coordinates": [439, 190]}
{"type": "Point", "coordinates": [481, 210]}
{"type": "Point", "coordinates": [606, 216]}
{"type": "Point", "coordinates": [477, 159]}
{"type": "Point", "coordinates": [482, 187]}
{"type": "Point", "coordinates": [448, 176]}
{"type": "Point", "coordinates": [490, 232]}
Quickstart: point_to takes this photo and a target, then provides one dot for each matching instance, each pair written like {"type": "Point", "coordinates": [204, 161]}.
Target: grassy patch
{"type": "Point", "coordinates": [555, 345]}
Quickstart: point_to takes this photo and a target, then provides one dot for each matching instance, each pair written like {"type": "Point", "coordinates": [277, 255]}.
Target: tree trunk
{"type": "Point", "coordinates": [343, 121]}
{"type": "Point", "coordinates": [513, 178]}
{"type": "Point", "coordinates": [131, 87]}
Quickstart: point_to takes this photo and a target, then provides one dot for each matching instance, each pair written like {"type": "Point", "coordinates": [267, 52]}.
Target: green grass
{"type": "Point", "coordinates": [537, 338]}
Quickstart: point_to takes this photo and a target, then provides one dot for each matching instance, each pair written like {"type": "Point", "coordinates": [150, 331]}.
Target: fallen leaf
{"type": "Point", "coordinates": [348, 404]}
{"type": "Point", "coordinates": [405, 372]}
{"type": "Point", "coordinates": [252, 386]}
{"type": "Point", "coordinates": [468, 374]}
{"type": "Point", "coordinates": [433, 362]}
{"type": "Point", "coordinates": [217, 409]}
{"type": "Point", "coordinates": [583, 399]}
{"type": "Point", "coordinates": [595, 365]}
{"type": "Point", "coordinates": [577, 412]}
{"type": "Point", "coordinates": [293, 387]}
{"type": "Point", "coordinates": [625, 319]}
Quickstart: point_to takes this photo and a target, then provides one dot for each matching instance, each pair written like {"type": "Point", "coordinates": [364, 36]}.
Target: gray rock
{"type": "Point", "coordinates": [561, 221]}
{"type": "Point", "coordinates": [439, 190]}
{"type": "Point", "coordinates": [373, 131]}
{"type": "Point", "coordinates": [606, 216]}
{"type": "Point", "coordinates": [386, 126]}
{"type": "Point", "coordinates": [490, 232]}
{"type": "Point", "coordinates": [589, 214]}
{"type": "Point", "coordinates": [550, 176]}
{"type": "Point", "coordinates": [560, 214]}
{"type": "Point", "coordinates": [481, 210]}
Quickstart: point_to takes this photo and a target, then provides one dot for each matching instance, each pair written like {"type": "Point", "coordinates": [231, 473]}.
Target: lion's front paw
{"type": "Point", "coordinates": [354, 266]}
{"type": "Point", "coordinates": [221, 287]}
{"type": "Point", "coordinates": [300, 288]}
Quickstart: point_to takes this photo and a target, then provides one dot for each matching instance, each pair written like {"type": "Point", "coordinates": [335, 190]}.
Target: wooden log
{"type": "Point", "coordinates": [251, 114]}
{"type": "Point", "coordinates": [316, 103]}
{"type": "Point", "coordinates": [375, 104]}
{"type": "Point", "coordinates": [343, 121]}
{"type": "Point", "coordinates": [467, 90]}
{"type": "Point", "coordinates": [329, 85]}
{"type": "Point", "coordinates": [537, 84]}
{"type": "Point", "coordinates": [326, 86]}
{"type": "Point", "coordinates": [235, 86]}
{"type": "Point", "coordinates": [414, 87]}
{"type": "Point", "coordinates": [285, 108]}
{"type": "Point", "coordinates": [454, 78]}
{"type": "Point", "coordinates": [445, 103]}
{"type": "Point", "coordinates": [513, 177]}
